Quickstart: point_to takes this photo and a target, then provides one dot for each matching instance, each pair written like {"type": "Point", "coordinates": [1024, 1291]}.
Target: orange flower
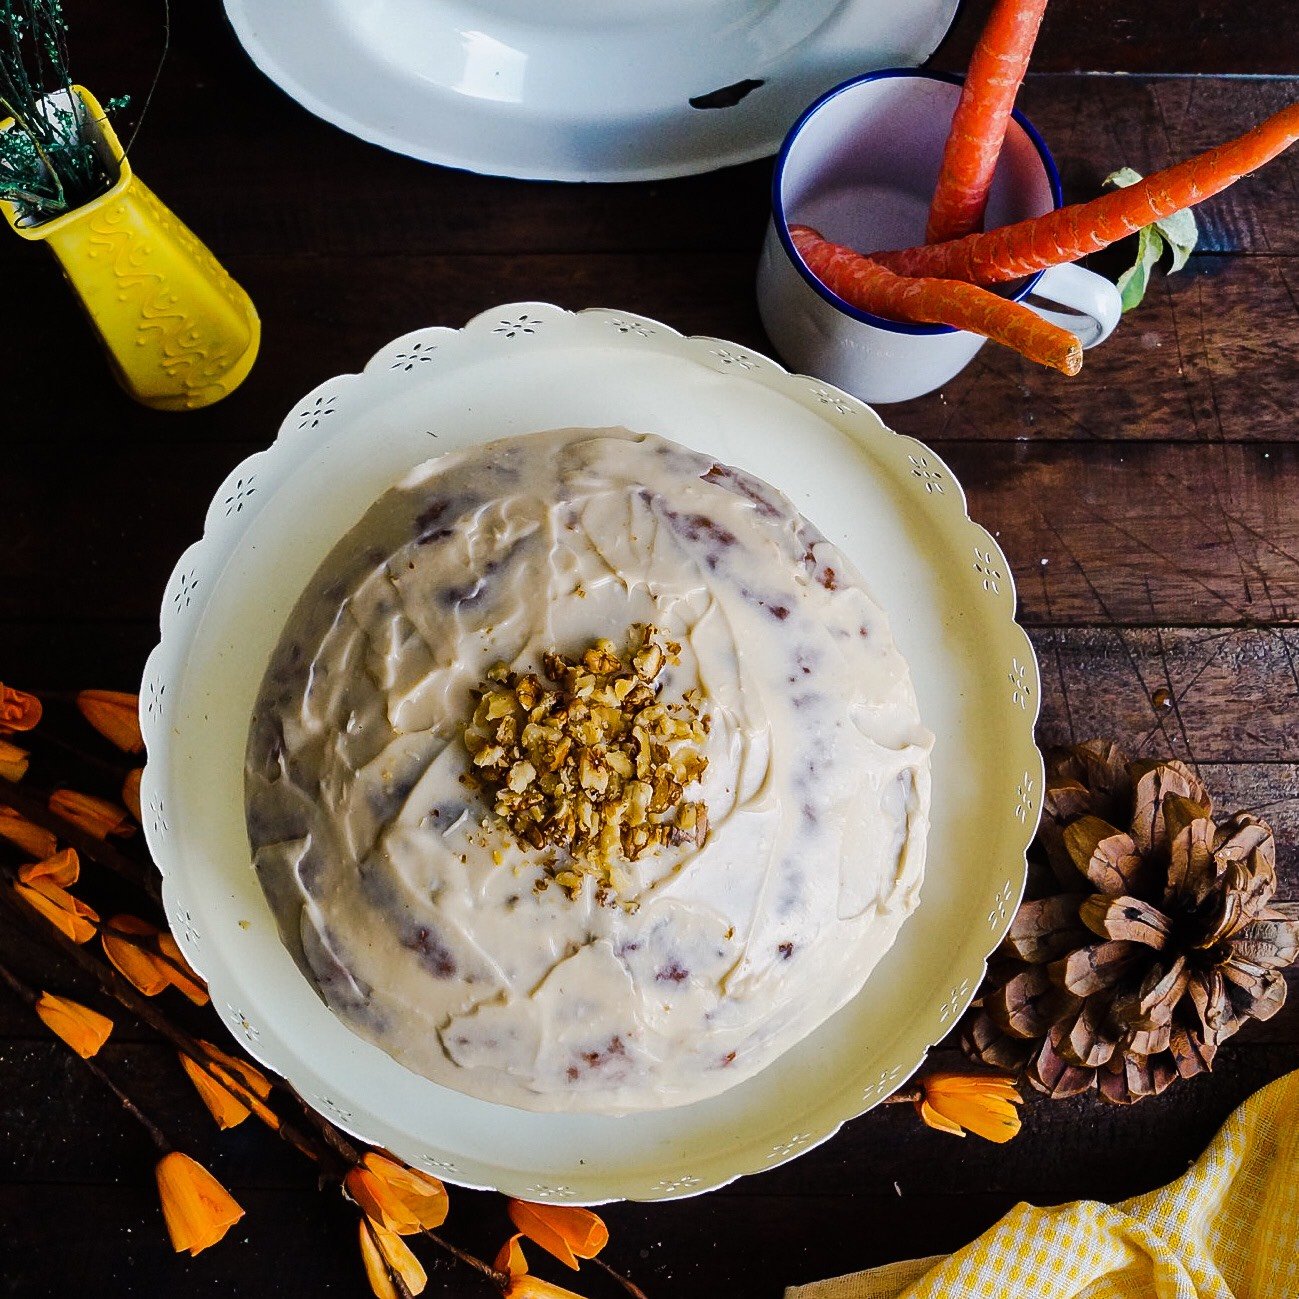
{"type": "Point", "coordinates": [248, 1074]}
{"type": "Point", "coordinates": [197, 1208]}
{"type": "Point", "coordinates": [150, 958]}
{"type": "Point", "coordinates": [19, 711]}
{"type": "Point", "coordinates": [96, 816]}
{"type": "Point", "coordinates": [521, 1284]}
{"type": "Point", "coordinates": [180, 974]}
{"type": "Point", "coordinates": [384, 1252]}
{"type": "Point", "coordinates": [83, 1029]}
{"type": "Point", "coordinates": [69, 915]}
{"type": "Point", "coordinates": [13, 761]}
{"type": "Point", "coordinates": [63, 869]}
{"type": "Point", "coordinates": [29, 837]}
{"type": "Point", "coordinates": [983, 1103]}
{"type": "Point", "coordinates": [115, 716]}
{"type": "Point", "coordinates": [219, 1099]}
{"type": "Point", "coordinates": [230, 1088]}
{"type": "Point", "coordinates": [566, 1232]}
{"type": "Point", "coordinates": [396, 1197]}
{"type": "Point", "coordinates": [131, 792]}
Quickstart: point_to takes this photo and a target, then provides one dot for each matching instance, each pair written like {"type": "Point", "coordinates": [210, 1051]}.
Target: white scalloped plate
{"type": "Point", "coordinates": [580, 89]}
{"type": "Point", "coordinates": [887, 500]}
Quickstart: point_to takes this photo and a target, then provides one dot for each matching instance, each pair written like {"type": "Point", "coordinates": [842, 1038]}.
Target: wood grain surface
{"type": "Point", "coordinates": [1149, 510]}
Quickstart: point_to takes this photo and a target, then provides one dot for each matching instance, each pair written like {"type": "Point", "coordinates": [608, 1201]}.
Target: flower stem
{"type": "Point", "coordinates": [498, 1279]}
{"type": "Point", "coordinates": [28, 995]}
{"type": "Point", "coordinates": [625, 1281]}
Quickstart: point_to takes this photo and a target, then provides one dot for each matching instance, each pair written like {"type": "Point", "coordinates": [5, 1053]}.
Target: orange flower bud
{"type": "Point", "coordinates": [69, 915]}
{"type": "Point", "coordinates": [131, 792]}
{"type": "Point", "coordinates": [19, 711]}
{"type": "Point", "coordinates": [197, 1208]}
{"type": "Point", "coordinates": [115, 715]}
{"type": "Point", "coordinates": [29, 837]}
{"type": "Point", "coordinates": [150, 958]}
{"type": "Point", "coordinates": [230, 1088]}
{"type": "Point", "coordinates": [249, 1075]}
{"type": "Point", "coordinates": [396, 1197]}
{"type": "Point", "coordinates": [522, 1285]}
{"type": "Point", "coordinates": [383, 1253]}
{"type": "Point", "coordinates": [180, 974]}
{"type": "Point", "coordinates": [13, 761]}
{"type": "Point", "coordinates": [63, 869]}
{"type": "Point", "coordinates": [567, 1232]}
{"type": "Point", "coordinates": [83, 1029]}
{"type": "Point", "coordinates": [221, 1103]}
{"type": "Point", "coordinates": [96, 816]}
{"type": "Point", "coordinates": [982, 1103]}
{"type": "Point", "coordinates": [132, 961]}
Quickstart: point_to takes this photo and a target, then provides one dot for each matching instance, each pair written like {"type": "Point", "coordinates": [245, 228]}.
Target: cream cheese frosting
{"type": "Point", "coordinates": [420, 919]}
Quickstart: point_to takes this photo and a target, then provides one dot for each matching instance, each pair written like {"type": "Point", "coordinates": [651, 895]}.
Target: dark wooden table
{"type": "Point", "coordinates": [1149, 508]}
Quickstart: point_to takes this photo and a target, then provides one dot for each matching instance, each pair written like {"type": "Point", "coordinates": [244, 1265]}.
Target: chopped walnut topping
{"type": "Point", "coordinates": [589, 759]}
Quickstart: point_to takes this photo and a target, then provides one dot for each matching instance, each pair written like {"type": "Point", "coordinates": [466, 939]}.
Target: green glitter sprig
{"type": "Point", "coordinates": [50, 162]}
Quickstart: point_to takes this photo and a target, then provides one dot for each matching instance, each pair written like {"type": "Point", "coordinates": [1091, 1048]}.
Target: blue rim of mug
{"type": "Point", "coordinates": [782, 224]}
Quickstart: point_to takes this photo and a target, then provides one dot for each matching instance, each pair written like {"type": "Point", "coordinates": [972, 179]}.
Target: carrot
{"type": "Point", "coordinates": [1072, 232]}
{"type": "Point", "coordinates": [870, 287]}
{"type": "Point", "coordinates": [982, 115]}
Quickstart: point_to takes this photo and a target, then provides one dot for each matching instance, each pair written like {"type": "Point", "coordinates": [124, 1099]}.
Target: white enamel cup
{"type": "Point", "coordinates": [860, 166]}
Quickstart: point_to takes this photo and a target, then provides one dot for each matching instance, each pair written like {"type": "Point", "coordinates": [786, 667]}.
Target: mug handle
{"type": "Point", "coordinates": [1092, 304]}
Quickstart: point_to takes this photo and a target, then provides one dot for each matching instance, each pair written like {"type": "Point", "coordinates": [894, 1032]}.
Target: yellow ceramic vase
{"type": "Point", "coordinates": [179, 331]}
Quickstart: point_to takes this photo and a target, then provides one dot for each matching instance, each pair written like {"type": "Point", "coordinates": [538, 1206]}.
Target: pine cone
{"type": "Point", "coordinates": [1142, 949]}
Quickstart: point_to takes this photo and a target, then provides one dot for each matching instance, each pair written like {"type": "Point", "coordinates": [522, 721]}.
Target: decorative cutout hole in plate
{"type": "Point", "coordinates": [153, 698]}
{"type": "Point", "coordinates": [1020, 689]}
{"type": "Point", "coordinates": [543, 1192]}
{"type": "Point", "coordinates": [316, 412]}
{"type": "Point", "coordinates": [985, 566]}
{"type": "Point", "coordinates": [436, 1165]}
{"type": "Point", "coordinates": [184, 595]}
{"type": "Point", "coordinates": [243, 1023]}
{"type": "Point", "coordinates": [333, 1108]}
{"type": "Point", "coordinates": [832, 399]}
{"type": "Point", "coordinates": [1024, 794]}
{"type": "Point", "coordinates": [243, 488]}
{"type": "Point", "coordinates": [737, 359]}
{"type": "Point", "coordinates": [922, 469]}
{"type": "Point", "coordinates": [636, 327]}
{"type": "Point", "coordinates": [415, 354]}
{"type": "Point", "coordinates": [160, 825]}
{"type": "Point", "coordinates": [788, 1147]}
{"type": "Point", "coordinates": [1000, 907]}
{"type": "Point", "coordinates": [670, 1184]}
{"type": "Point", "coordinates": [187, 928]}
{"type": "Point", "coordinates": [884, 1085]}
{"type": "Point", "coordinates": [517, 328]}
{"type": "Point", "coordinates": [952, 1006]}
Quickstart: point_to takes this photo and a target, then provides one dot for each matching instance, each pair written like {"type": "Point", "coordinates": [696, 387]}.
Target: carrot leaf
{"type": "Point", "coordinates": [1177, 234]}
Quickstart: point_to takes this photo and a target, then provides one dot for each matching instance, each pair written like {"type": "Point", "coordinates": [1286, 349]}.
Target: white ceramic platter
{"type": "Point", "coordinates": [890, 503]}
{"type": "Point", "coordinates": [596, 90]}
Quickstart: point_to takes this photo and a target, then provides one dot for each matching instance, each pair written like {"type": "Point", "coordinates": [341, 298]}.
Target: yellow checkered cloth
{"type": "Point", "coordinates": [1226, 1229]}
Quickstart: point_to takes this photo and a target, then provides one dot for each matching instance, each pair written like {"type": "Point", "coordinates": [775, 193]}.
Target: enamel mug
{"type": "Point", "coordinates": [860, 166]}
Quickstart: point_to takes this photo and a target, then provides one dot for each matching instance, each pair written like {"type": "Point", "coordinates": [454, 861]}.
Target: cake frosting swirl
{"type": "Point", "coordinates": [427, 926]}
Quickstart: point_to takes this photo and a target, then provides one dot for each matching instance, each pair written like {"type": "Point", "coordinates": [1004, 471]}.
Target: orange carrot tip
{"type": "Point", "coordinates": [866, 285]}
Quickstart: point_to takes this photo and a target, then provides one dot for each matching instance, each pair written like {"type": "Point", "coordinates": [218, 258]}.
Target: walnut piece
{"type": "Point", "coordinates": [589, 760]}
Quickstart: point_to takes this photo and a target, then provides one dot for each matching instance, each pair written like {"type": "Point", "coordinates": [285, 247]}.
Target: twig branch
{"type": "Point", "coordinates": [625, 1281]}
{"type": "Point", "coordinates": [28, 995]}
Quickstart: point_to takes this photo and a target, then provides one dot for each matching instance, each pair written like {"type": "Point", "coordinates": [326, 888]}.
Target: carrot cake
{"type": "Point", "coordinates": [586, 775]}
